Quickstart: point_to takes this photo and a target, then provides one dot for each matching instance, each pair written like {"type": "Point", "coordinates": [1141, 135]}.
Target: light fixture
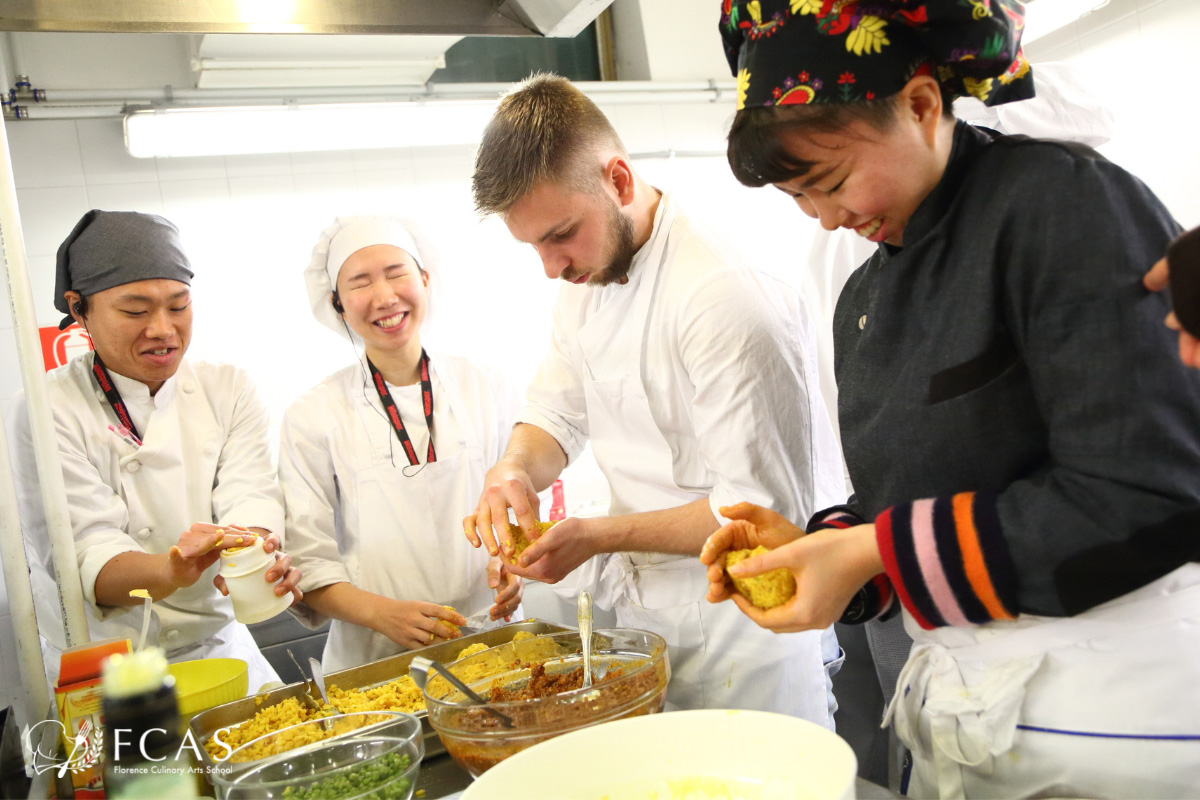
{"type": "Point", "coordinates": [1043, 17]}
{"type": "Point", "coordinates": [297, 128]}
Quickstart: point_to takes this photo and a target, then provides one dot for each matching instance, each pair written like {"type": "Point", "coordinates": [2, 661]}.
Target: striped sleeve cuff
{"type": "Point", "coordinates": [876, 600]}
{"type": "Point", "coordinates": [835, 517]}
{"type": "Point", "coordinates": [947, 559]}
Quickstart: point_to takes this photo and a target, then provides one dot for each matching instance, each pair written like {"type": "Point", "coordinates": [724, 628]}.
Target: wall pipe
{"type": "Point", "coordinates": [45, 441]}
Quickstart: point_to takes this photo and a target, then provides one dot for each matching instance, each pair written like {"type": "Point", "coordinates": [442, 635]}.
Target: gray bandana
{"type": "Point", "coordinates": [112, 248]}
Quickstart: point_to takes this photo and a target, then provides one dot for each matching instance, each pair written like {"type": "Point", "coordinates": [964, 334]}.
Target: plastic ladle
{"type": "Point", "coordinates": [419, 669]}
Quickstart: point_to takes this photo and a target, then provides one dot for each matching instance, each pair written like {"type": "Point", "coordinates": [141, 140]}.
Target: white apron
{"type": "Point", "coordinates": [719, 658]}
{"type": "Point", "coordinates": [428, 556]}
{"type": "Point", "coordinates": [1103, 704]}
{"type": "Point", "coordinates": [166, 485]}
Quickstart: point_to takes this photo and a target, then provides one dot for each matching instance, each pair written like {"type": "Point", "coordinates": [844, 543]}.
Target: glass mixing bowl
{"type": "Point", "coordinates": [371, 755]}
{"type": "Point", "coordinates": [630, 669]}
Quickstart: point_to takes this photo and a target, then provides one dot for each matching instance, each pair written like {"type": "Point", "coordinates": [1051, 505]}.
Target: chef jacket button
{"type": "Point", "coordinates": [133, 466]}
{"type": "Point", "coordinates": [189, 387]}
{"type": "Point", "coordinates": [172, 637]}
{"type": "Point", "coordinates": [211, 449]}
{"type": "Point", "coordinates": [143, 533]}
{"type": "Point", "coordinates": [862, 322]}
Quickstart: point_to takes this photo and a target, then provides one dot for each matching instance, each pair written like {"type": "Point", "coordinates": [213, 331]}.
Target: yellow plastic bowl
{"type": "Point", "coordinates": [208, 682]}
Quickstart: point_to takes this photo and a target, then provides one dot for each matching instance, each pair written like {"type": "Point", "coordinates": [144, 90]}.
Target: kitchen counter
{"type": "Point", "coordinates": [442, 777]}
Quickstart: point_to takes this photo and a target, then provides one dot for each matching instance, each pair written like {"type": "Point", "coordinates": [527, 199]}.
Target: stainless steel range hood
{"type": "Point", "coordinates": [560, 18]}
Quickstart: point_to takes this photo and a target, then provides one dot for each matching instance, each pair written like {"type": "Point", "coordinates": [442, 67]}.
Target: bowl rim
{"type": "Point", "coordinates": [413, 723]}
{"type": "Point", "coordinates": [659, 654]}
{"type": "Point", "coordinates": [479, 785]}
{"type": "Point", "coordinates": [402, 744]}
{"type": "Point", "coordinates": [237, 676]}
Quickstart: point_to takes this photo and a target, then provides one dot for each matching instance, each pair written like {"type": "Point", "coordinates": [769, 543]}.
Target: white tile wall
{"type": "Point", "coordinates": [145, 197]}
{"type": "Point", "coordinates": [333, 162]}
{"type": "Point", "coordinates": [198, 168]}
{"type": "Point", "coordinates": [44, 212]}
{"type": "Point", "coordinates": [105, 159]}
{"type": "Point", "coordinates": [371, 161]}
{"type": "Point", "coordinates": [264, 164]}
{"type": "Point", "coordinates": [1136, 54]}
{"type": "Point", "coordinates": [46, 154]}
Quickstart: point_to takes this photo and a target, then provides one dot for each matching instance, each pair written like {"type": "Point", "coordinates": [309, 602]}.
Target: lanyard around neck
{"type": "Point", "coordinates": [393, 413]}
{"type": "Point", "coordinates": [100, 372]}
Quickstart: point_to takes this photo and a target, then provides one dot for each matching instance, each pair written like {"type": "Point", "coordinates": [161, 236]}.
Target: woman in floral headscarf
{"type": "Point", "coordinates": [1023, 443]}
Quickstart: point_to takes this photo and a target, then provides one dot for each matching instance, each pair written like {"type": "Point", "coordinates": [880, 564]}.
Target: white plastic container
{"type": "Point", "coordinates": [245, 571]}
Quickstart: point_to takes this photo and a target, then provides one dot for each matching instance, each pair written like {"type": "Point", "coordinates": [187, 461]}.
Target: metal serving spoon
{"type": "Point", "coordinates": [318, 675]}
{"type": "Point", "coordinates": [419, 669]}
{"type": "Point", "coordinates": [307, 699]}
{"type": "Point", "coordinates": [584, 616]}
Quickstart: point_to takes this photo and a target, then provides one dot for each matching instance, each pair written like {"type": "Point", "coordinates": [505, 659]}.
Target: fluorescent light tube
{"type": "Point", "coordinates": [237, 130]}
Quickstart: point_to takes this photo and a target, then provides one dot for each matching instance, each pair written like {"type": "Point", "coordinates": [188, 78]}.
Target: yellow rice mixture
{"type": "Point", "coordinates": [401, 694]}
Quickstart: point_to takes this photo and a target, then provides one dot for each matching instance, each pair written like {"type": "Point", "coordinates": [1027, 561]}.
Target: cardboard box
{"type": "Point", "coordinates": [78, 696]}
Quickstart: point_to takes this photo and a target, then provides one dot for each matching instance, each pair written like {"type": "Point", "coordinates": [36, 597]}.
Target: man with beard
{"type": "Point", "coordinates": [693, 379]}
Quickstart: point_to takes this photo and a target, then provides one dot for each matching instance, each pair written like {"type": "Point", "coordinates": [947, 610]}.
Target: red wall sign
{"type": "Point", "coordinates": [59, 347]}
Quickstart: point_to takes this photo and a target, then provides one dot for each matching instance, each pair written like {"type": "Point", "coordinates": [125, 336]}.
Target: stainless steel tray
{"type": "Point", "coordinates": [206, 723]}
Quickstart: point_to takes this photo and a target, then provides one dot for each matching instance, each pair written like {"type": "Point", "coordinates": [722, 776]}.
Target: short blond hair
{"type": "Point", "coordinates": [543, 131]}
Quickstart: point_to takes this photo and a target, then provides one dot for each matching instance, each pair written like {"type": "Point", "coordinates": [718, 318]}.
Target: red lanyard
{"type": "Point", "coordinates": [113, 396]}
{"type": "Point", "coordinates": [389, 406]}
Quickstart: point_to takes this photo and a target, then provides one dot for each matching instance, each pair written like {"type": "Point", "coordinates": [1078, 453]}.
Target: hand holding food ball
{"type": "Point", "coordinates": [413, 624]}
{"type": "Point", "coordinates": [521, 542]}
{"type": "Point", "coordinates": [828, 567]}
{"type": "Point", "coordinates": [753, 528]}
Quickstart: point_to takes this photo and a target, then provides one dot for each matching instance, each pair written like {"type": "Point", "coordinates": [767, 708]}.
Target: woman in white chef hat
{"type": "Point", "coordinates": [380, 461]}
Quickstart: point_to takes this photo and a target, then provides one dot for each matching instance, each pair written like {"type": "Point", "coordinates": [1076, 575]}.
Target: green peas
{"type": "Point", "coordinates": [379, 775]}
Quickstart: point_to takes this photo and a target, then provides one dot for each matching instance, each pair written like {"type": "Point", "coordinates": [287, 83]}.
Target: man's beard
{"type": "Point", "coordinates": [620, 258]}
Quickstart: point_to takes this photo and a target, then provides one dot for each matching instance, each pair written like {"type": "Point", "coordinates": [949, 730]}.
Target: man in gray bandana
{"type": "Point", "coordinates": [160, 456]}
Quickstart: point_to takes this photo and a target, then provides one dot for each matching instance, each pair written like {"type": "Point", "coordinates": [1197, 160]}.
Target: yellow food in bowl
{"type": "Point", "coordinates": [401, 694]}
{"type": "Point", "coordinates": [472, 649]}
{"type": "Point", "coordinates": [768, 590]}
{"type": "Point", "coordinates": [521, 542]}
{"type": "Point", "coordinates": [274, 717]}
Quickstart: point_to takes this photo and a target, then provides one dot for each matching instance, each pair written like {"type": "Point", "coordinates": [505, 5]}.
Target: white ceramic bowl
{"type": "Point", "coordinates": [682, 755]}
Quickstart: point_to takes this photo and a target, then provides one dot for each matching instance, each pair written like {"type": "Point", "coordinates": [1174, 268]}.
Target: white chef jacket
{"type": "Point", "coordinates": [699, 385]}
{"type": "Point", "coordinates": [204, 457]}
{"type": "Point", "coordinates": [358, 512]}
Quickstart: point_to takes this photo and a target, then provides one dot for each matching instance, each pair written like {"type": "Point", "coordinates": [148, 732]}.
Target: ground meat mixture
{"type": "Point", "coordinates": [542, 684]}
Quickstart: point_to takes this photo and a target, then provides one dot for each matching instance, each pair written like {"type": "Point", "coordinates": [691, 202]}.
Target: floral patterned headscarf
{"type": "Point", "coordinates": [787, 52]}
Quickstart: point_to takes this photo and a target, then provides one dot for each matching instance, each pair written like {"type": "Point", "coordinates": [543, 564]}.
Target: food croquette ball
{"type": "Point", "coordinates": [520, 542]}
{"type": "Point", "coordinates": [768, 590]}
{"type": "Point", "coordinates": [450, 626]}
